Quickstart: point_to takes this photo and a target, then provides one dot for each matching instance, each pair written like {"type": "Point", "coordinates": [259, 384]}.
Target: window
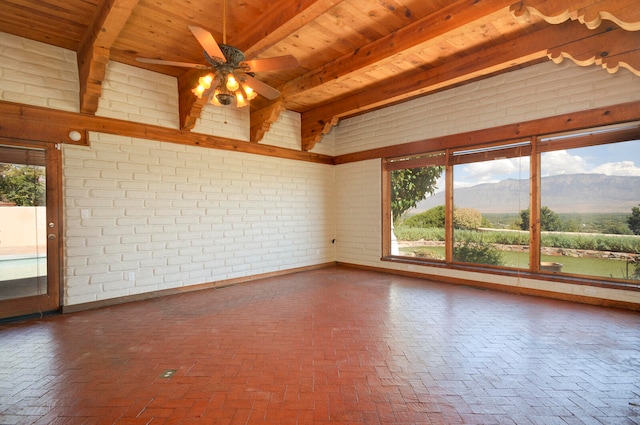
{"type": "Point", "coordinates": [490, 188]}
{"type": "Point", "coordinates": [589, 193]}
{"type": "Point", "coordinates": [417, 185]}
{"type": "Point", "coordinates": [563, 204]}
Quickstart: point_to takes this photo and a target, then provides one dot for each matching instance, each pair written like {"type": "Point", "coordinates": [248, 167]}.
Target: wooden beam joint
{"type": "Point", "coordinates": [94, 51]}
{"type": "Point", "coordinates": [314, 129]}
{"type": "Point", "coordinates": [625, 13]}
{"type": "Point", "coordinates": [189, 105]}
{"type": "Point", "coordinates": [612, 50]}
{"type": "Point", "coordinates": [262, 120]}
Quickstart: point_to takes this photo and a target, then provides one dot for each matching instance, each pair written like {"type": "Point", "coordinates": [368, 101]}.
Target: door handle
{"type": "Point", "coordinates": [51, 236]}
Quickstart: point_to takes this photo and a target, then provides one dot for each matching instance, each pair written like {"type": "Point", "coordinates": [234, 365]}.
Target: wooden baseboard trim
{"type": "Point", "coordinates": [174, 291]}
{"type": "Point", "coordinates": [517, 290]}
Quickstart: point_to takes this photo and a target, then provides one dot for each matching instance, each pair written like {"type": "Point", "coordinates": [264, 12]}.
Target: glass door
{"type": "Point", "coordinates": [29, 228]}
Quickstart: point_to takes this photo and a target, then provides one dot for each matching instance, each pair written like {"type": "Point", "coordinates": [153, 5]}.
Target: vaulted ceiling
{"type": "Point", "coordinates": [354, 55]}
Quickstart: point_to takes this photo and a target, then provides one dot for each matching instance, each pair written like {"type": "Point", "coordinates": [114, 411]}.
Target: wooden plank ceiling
{"type": "Point", "coordinates": [354, 55]}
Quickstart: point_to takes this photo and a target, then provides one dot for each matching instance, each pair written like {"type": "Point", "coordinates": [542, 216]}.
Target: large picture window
{"type": "Point", "coordinates": [490, 189]}
{"type": "Point", "coordinates": [589, 204]}
{"type": "Point", "coordinates": [562, 205]}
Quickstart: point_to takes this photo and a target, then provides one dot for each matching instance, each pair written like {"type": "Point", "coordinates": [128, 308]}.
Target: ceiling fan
{"type": "Point", "coordinates": [232, 78]}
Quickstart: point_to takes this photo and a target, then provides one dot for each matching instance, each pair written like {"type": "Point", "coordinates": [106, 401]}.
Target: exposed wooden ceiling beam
{"type": "Point", "coordinates": [94, 51]}
{"type": "Point", "coordinates": [282, 20]}
{"type": "Point", "coordinates": [444, 20]}
{"type": "Point", "coordinates": [526, 50]}
{"type": "Point", "coordinates": [625, 13]}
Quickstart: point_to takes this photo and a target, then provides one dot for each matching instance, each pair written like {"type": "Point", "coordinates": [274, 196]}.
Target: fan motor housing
{"type": "Point", "coordinates": [233, 56]}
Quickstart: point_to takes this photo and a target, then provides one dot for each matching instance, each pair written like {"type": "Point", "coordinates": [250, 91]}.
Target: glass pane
{"type": "Point", "coordinates": [590, 217]}
{"type": "Point", "coordinates": [417, 205]}
{"type": "Point", "coordinates": [23, 252]}
{"type": "Point", "coordinates": [489, 198]}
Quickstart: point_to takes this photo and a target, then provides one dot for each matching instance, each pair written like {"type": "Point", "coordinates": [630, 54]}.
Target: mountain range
{"type": "Point", "coordinates": [564, 193]}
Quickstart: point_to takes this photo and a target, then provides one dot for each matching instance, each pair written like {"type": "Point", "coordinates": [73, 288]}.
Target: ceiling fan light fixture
{"type": "Point", "coordinates": [229, 90]}
{"type": "Point", "coordinates": [232, 83]}
{"type": "Point", "coordinates": [231, 71]}
{"type": "Point", "coordinates": [206, 81]}
{"type": "Point", "coordinates": [222, 96]}
{"type": "Point", "coordinates": [240, 101]}
{"type": "Point", "coordinates": [225, 99]}
{"type": "Point", "coordinates": [249, 92]}
{"type": "Point", "coordinates": [204, 84]}
{"type": "Point", "coordinates": [198, 91]}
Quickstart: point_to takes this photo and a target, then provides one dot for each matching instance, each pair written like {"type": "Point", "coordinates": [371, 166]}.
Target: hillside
{"type": "Point", "coordinates": [567, 193]}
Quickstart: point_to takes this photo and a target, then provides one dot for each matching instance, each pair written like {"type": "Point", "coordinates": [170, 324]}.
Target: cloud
{"type": "Point", "coordinates": [493, 171]}
{"type": "Point", "coordinates": [623, 168]}
{"type": "Point", "coordinates": [561, 162]}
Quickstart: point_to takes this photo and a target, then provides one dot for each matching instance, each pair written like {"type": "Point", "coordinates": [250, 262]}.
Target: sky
{"type": "Point", "coordinates": [617, 159]}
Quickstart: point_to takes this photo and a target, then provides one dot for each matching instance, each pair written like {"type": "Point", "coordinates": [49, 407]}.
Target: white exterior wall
{"type": "Point", "coordinates": [141, 215]}
{"type": "Point", "coordinates": [539, 91]}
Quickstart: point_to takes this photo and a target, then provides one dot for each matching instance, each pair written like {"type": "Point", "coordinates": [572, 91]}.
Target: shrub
{"type": "Point", "coordinates": [463, 218]}
{"type": "Point", "coordinates": [467, 218]}
{"type": "Point", "coordinates": [433, 217]}
{"type": "Point", "coordinates": [404, 233]}
{"type": "Point", "coordinates": [477, 253]}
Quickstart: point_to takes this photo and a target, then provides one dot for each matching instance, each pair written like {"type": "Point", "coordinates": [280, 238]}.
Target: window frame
{"type": "Point", "coordinates": [538, 144]}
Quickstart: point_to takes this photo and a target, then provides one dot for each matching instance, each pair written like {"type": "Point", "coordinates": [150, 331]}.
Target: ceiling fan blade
{"type": "Point", "coordinates": [271, 64]}
{"type": "Point", "coordinates": [208, 43]}
{"type": "Point", "coordinates": [262, 88]}
{"type": "Point", "coordinates": [172, 63]}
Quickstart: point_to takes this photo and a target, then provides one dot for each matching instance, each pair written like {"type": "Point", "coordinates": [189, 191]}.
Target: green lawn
{"type": "Point", "coordinates": [600, 267]}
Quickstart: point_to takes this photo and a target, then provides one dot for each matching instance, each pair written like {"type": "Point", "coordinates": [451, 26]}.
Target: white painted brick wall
{"type": "Point", "coordinates": [359, 227]}
{"type": "Point", "coordinates": [539, 91]}
{"type": "Point", "coordinates": [138, 95]}
{"type": "Point", "coordinates": [38, 74]}
{"type": "Point", "coordinates": [179, 215]}
{"type": "Point", "coordinates": [224, 122]}
{"type": "Point", "coordinates": [285, 132]}
{"type": "Point", "coordinates": [326, 146]}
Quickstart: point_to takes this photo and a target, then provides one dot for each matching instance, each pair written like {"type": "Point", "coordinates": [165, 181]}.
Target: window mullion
{"type": "Point", "coordinates": [448, 206]}
{"type": "Point", "coordinates": [534, 207]}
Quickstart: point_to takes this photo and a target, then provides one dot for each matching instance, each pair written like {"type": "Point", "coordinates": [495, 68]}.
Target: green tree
{"type": "Point", "coordinates": [549, 220]}
{"type": "Point", "coordinates": [410, 186]}
{"type": "Point", "coordinates": [22, 184]}
{"type": "Point", "coordinates": [433, 217]}
{"type": "Point", "coordinates": [524, 219]}
{"type": "Point", "coordinates": [634, 220]}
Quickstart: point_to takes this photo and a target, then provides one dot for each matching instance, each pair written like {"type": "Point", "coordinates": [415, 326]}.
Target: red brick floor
{"type": "Point", "coordinates": [331, 346]}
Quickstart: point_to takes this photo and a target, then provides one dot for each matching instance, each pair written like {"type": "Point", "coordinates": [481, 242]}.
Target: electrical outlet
{"type": "Point", "coordinates": [132, 276]}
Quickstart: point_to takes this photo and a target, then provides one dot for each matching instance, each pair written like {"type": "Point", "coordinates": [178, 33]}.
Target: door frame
{"type": "Point", "coordinates": [52, 300]}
